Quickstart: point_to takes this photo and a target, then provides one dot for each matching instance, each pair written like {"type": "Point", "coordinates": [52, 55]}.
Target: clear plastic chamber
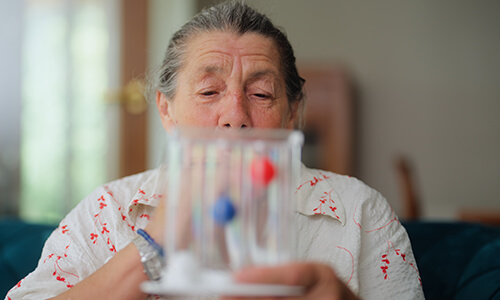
{"type": "Point", "coordinates": [230, 204]}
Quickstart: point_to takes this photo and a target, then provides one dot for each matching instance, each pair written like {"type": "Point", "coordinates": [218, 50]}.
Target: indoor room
{"type": "Point", "coordinates": [402, 95]}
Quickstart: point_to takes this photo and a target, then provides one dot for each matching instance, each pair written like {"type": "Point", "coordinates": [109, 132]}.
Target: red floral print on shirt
{"type": "Point", "coordinates": [100, 227]}
{"type": "Point", "coordinates": [143, 198]}
{"type": "Point", "coordinates": [145, 216]}
{"type": "Point", "coordinates": [312, 182]}
{"type": "Point", "coordinates": [59, 273]}
{"type": "Point", "coordinates": [386, 262]}
{"type": "Point", "coordinates": [120, 208]}
{"type": "Point", "coordinates": [327, 201]}
{"type": "Point", "coordinates": [385, 257]}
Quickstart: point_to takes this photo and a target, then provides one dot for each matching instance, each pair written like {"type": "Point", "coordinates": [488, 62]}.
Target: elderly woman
{"type": "Point", "coordinates": [229, 67]}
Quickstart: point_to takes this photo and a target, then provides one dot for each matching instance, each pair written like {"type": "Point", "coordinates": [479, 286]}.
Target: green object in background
{"type": "Point", "coordinates": [21, 245]}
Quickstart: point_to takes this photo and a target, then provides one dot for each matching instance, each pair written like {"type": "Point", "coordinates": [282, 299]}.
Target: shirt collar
{"type": "Point", "coordinates": [150, 191]}
{"type": "Point", "coordinates": [317, 196]}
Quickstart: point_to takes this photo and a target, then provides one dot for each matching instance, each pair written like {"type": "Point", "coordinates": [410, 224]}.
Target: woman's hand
{"type": "Point", "coordinates": [318, 280]}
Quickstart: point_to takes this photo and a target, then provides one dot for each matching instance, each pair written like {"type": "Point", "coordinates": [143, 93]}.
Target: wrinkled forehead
{"type": "Point", "coordinates": [215, 52]}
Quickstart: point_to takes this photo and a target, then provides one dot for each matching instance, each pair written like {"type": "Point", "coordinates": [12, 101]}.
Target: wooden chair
{"type": "Point", "coordinates": [410, 200]}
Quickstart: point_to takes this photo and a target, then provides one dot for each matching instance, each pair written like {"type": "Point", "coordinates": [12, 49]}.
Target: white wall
{"type": "Point", "coordinates": [428, 74]}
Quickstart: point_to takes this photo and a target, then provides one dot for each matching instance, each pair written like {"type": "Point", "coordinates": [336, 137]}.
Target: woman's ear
{"type": "Point", "coordinates": [165, 110]}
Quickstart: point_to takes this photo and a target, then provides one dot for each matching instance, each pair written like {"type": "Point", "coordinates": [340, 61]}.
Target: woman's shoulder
{"type": "Point", "coordinates": [123, 189]}
{"type": "Point", "coordinates": [341, 197]}
{"type": "Point", "coordinates": [118, 194]}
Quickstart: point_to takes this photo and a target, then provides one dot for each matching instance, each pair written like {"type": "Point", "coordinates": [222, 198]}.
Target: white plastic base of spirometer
{"type": "Point", "coordinates": [229, 288]}
{"type": "Point", "coordinates": [184, 277]}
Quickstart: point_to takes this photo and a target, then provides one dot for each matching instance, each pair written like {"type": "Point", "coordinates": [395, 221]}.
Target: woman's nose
{"type": "Point", "coordinates": [235, 111]}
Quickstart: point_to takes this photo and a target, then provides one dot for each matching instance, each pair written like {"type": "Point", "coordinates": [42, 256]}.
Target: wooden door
{"type": "Point", "coordinates": [133, 114]}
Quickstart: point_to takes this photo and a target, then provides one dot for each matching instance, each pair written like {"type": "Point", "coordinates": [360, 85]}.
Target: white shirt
{"type": "Point", "coordinates": [343, 223]}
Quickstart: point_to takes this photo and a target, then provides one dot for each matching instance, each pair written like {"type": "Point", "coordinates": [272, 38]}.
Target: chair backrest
{"type": "Point", "coordinates": [410, 200]}
{"type": "Point", "coordinates": [456, 260]}
{"type": "Point", "coordinates": [21, 245]}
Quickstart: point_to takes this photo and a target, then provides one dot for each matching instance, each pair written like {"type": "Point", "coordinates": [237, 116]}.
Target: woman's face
{"type": "Point", "coordinates": [228, 81]}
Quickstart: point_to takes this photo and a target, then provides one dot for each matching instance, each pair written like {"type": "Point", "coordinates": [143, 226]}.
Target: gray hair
{"type": "Point", "coordinates": [235, 17]}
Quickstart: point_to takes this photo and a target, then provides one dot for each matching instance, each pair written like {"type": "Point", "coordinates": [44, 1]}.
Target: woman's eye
{"type": "Point", "coordinates": [209, 93]}
{"type": "Point", "coordinates": [261, 96]}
